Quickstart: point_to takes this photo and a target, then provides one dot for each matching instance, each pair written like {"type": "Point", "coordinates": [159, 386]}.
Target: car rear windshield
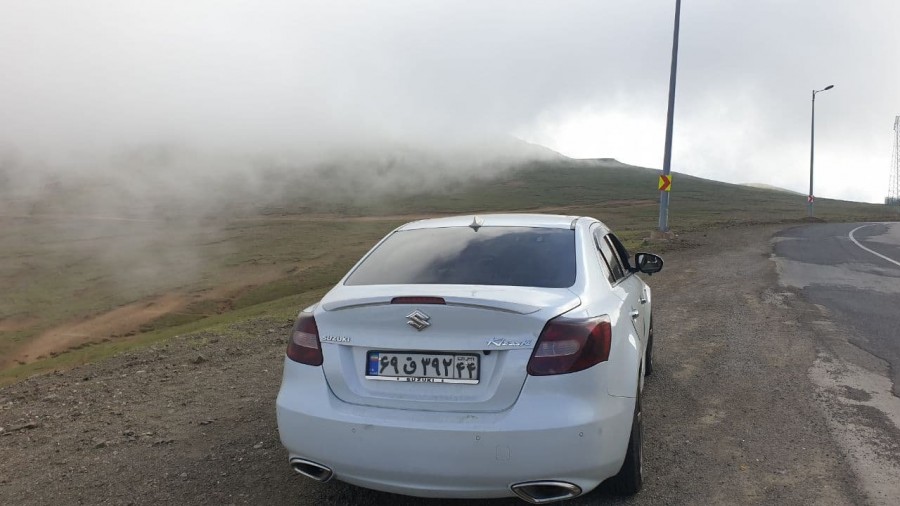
{"type": "Point", "coordinates": [509, 256]}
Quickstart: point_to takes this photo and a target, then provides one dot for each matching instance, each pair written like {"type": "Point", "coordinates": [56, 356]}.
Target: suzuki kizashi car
{"type": "Point", "coordinates": [476, 357]}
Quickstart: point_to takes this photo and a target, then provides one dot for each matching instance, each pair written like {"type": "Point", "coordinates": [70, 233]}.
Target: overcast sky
{"type": "Point", "coordinates": [587, 78]}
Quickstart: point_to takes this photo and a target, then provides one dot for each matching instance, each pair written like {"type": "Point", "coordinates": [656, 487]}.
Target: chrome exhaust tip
{"type": "Point", "coordinates": [543, 492]}
{"type": "Point", "coordinates": [311, 469]}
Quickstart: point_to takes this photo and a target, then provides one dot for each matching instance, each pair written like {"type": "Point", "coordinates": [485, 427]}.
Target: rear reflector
{"type": "Point", "coordinates": [567, 345]}
{"type": "Point", "coordinates": [418, 300]}
{"type": "Point", "coordinates": [304, 344]}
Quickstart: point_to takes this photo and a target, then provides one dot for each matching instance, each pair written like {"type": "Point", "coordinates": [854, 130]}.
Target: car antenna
{"type": "Point", "coordinates": [476, 223]}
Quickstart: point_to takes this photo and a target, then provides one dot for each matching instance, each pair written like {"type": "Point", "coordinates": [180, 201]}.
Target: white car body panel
{"type": "Point", "coordinates": [578, 438]}
{"type": "Point", "coordinates": [509, 428]}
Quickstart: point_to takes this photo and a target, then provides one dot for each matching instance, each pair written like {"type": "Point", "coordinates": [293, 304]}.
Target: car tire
{"type": "Point", "coordinates": [648, 360]}
{"type": "Point", "coordinates": [630, 478]}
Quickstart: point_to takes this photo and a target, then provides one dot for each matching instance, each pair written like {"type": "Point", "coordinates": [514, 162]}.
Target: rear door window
{"type": "Point", "coordinates": [621, 251]}
{"type": "Point", "coordinates": [509, 256]}
{"type": "Point", "coordinates": [616, 271]}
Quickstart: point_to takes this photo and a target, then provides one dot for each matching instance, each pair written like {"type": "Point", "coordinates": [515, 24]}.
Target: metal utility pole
{"type": "Point", "coordinates": [893, 196]}
{"type": "Point", "coordinates": [812, 147]}
{"type": "Point", "coordinates": [665, 181]}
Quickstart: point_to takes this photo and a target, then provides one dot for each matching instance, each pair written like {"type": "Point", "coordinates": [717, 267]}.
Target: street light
{"type": "Point", "coordinates": [812, 146]}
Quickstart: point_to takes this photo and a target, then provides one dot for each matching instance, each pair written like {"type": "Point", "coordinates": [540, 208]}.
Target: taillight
{"type": "Point", "coordinates": [567, 345]}
{"type": "Point", "coordinates": [304, 344]}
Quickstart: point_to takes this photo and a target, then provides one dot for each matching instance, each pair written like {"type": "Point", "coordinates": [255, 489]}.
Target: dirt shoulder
{"type": "Point", "coordinates": [127, 320]}
{"type": "Point", "coordinates": [730, 413]}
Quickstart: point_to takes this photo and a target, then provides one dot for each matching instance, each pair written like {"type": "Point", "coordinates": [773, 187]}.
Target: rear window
{"type": "Point", "coordinates": [509, 256]}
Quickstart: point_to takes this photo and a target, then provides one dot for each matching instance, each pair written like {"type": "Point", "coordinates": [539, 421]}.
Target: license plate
{"type": "Point", "coordinates": [423, 367]}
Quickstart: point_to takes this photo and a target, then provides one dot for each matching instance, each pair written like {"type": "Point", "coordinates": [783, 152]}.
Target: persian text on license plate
{"type": "Point", "coordinates": [423, 367]}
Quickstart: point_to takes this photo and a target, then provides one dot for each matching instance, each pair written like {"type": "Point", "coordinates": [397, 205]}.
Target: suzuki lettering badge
{"type": "Point", "coordinates": [418, 320]}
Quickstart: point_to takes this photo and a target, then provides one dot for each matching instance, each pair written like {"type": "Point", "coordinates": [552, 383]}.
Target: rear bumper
{"type": "Point", "coordinates": [546, 435]}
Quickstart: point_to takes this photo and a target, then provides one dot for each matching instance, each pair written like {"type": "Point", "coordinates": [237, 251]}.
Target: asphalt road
{"type": "Point", "coordinates": [851, 274]}
{"type": "Point", "coordinates": [854, 271]}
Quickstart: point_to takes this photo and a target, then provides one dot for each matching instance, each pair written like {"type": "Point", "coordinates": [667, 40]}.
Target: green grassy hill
{"type": "Point", "coordinates": [623, 196]}
{"type": "Point", "coordinates": [277, 255]}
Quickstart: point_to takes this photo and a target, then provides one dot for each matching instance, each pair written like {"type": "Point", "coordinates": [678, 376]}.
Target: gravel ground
{"type": "Point", "coordinates": [730, 412]}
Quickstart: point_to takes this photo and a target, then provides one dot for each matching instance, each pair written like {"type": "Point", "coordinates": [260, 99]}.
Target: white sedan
{"type": "Point", "coordinates": [476, 357]}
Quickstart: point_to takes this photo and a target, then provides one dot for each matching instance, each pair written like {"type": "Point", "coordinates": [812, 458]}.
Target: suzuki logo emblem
{"type": "Point", "coordinates": [418, 320]}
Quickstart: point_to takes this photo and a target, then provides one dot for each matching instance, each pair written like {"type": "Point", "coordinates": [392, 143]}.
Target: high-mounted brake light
{"type": "Point", "coordinates": [567, 345]}
{"type": "Point", "coordinates": [304, 344]}
{"type": "Point", "coordinates": [418, 300]}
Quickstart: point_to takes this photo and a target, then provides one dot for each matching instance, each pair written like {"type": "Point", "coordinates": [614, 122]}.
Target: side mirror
{"type": "Point", "coordinates": [648, 263]}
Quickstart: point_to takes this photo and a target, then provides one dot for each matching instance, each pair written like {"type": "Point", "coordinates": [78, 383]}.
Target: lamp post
{"type": "Point", "coordinates": [812, 146]}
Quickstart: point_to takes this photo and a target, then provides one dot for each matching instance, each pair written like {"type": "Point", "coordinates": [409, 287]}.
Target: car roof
{"type": "Point", "coordinates": [496, 220]}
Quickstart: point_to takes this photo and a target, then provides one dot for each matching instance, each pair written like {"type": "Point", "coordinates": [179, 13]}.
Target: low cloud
{"type": "Point", "coordinates": [150, 94]}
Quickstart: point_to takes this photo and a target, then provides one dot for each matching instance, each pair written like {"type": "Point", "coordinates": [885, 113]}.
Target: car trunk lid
{"type": "Point", "coordinates": [494, 326]}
